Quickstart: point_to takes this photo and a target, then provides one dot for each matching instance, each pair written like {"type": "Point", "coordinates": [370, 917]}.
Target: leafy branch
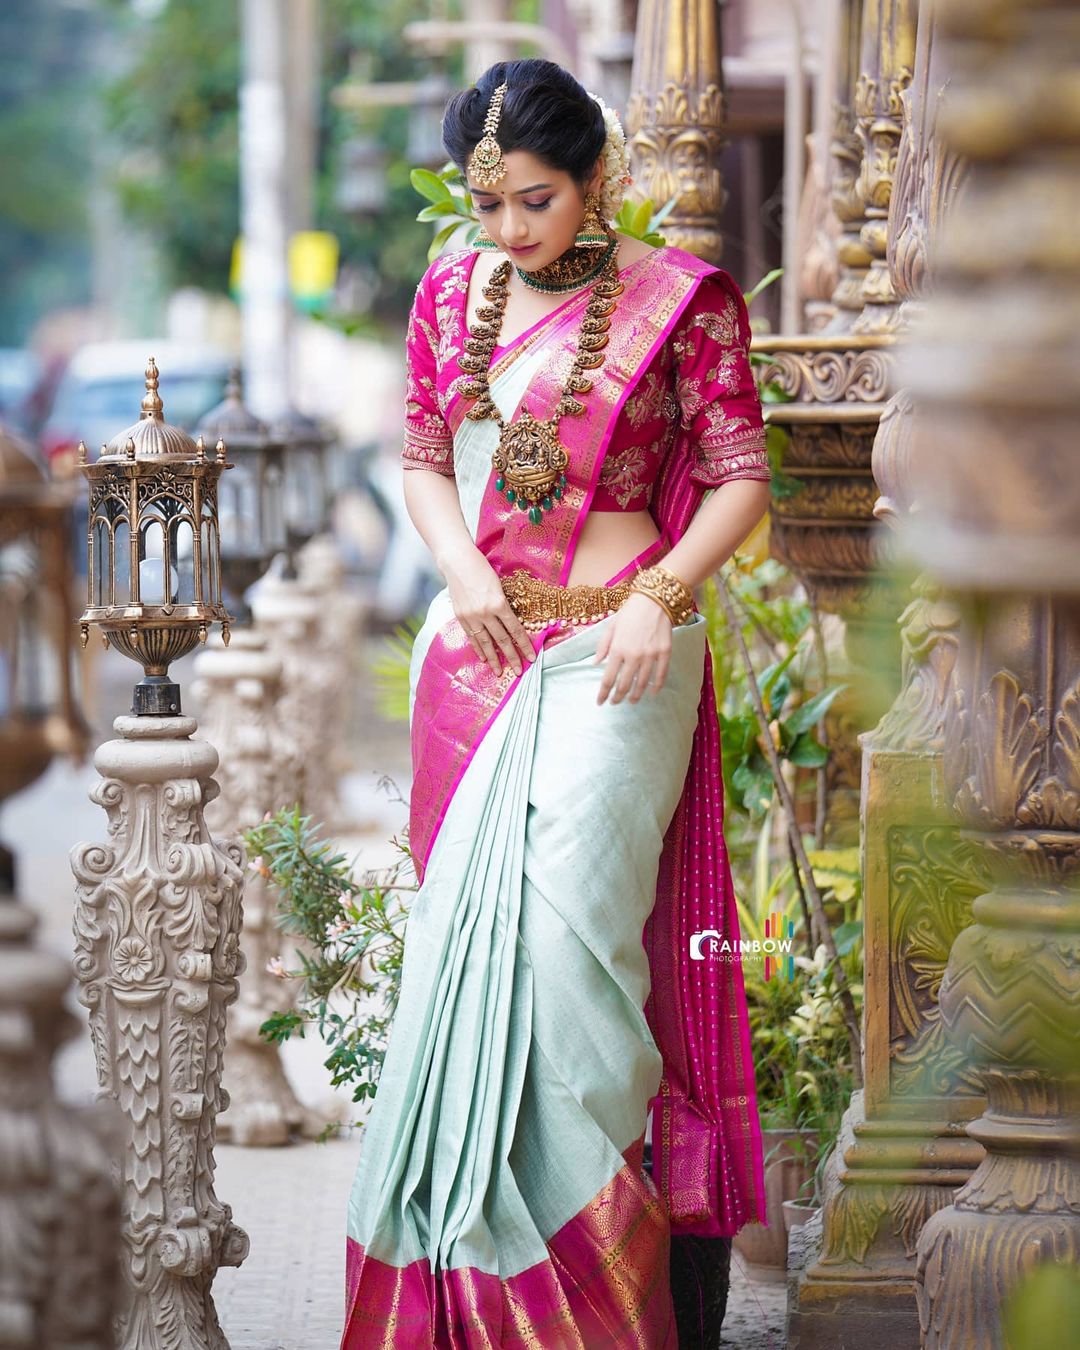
{"type": "Point", "coordinates": [350, 945]}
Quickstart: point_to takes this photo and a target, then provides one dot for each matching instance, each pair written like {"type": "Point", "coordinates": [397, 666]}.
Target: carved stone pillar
{"type": "Point", "coordinates": [903, 1151]}
{"type": "Point", "coordinates": [290, 617]}
{"type": "Point", "coordinates": [341, 628]}
{"type": "Point", "coordinates": [157, 953]}
{"type": "Point", "coordinates": [239, 688]}
{"type": "Point", "coordinates": [995, 373]}
{"type": "Point", "coordinates": [59, 1207]}
{"type": "Point", "coordinates": [888, 56]}
{"type": "Point", "coordinates": [675, 118]}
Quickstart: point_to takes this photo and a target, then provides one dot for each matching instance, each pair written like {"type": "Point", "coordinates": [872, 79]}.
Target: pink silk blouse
{"type": "Point", "coordinates": [699, 380]}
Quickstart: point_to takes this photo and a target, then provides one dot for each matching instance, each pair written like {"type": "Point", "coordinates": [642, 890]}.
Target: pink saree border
{"type": "Point", "coordinates": [605, 1282]}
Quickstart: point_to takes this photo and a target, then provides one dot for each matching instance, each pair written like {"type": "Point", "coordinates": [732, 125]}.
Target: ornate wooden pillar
{"type": "Point", "coordinates": [996, 376]}
{"type": "Point", "coordinates": [887, 61]}
{"type": "Point", "coordinates": [903, 1150]}
{"type": "Point", "coordinates": [675, 118]}
{"type": "Point", "coordinates": [839, 382]}
{"type": "Point", "coordinates": [879, 45]}
{"type": "Point", "coordinates": [846, 151]}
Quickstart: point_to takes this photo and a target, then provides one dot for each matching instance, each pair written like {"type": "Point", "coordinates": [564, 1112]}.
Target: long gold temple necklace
{"type": "Point", "coordinates": [530, 461]}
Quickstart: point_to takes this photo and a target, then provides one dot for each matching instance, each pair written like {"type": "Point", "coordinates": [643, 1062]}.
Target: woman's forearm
{"type": "Point", "coordinates": [431, 500]}
{"type": "Point", "coordinates": [717, 530]}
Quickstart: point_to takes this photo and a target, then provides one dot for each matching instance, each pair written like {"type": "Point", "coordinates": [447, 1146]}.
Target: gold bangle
{"type": "Point", "coordinates": [670, 592]}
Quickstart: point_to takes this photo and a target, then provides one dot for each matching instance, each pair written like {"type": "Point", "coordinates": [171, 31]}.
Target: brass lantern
{"type": "Point", "coordinates": [251, 501]}
{"type": "Point", "coordinates": [38, 712]}
{"type": "Point", "coordinates": [154, 553]}
{"type": "Point", "coordinates": [306, 487]}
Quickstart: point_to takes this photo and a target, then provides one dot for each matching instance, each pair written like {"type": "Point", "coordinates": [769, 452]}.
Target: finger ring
{"type": "Point", "coordinates": [472, 632]}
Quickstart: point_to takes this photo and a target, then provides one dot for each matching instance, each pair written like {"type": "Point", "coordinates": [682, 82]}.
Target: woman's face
{"type": "Point", "coordinates": [534, 211]}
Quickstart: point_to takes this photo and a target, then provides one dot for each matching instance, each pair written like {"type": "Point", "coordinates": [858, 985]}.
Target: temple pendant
{"type": "Point", "coordinates": [530, 463]}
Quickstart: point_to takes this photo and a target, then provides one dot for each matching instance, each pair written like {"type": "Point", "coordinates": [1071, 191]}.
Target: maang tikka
{"type": "Point", "coordinates": [486, 163]}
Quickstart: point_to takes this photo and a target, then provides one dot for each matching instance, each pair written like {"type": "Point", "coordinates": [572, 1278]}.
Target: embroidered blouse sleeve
{"type": "Point", "coordinates": [429, 443]}
{"type": "Point", "coordinates": [714, 384]}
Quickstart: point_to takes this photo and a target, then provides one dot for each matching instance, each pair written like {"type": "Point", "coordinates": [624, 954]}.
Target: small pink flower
{"type": "Point", "coordinates": [276, 967]}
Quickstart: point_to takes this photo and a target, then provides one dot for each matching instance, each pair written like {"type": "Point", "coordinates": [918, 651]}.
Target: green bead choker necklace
{"type": "Point", "coordinates": [569, 272]}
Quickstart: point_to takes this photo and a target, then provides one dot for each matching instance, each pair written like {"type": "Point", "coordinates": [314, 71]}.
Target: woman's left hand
{"type": "Point", "coordinates": [637, 649]}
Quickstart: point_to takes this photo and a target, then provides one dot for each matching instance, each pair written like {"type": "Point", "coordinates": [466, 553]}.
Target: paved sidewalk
{"type": "Point", "coordinates": [290, 1292]}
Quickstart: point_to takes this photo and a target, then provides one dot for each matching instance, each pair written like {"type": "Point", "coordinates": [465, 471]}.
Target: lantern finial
{"type": "Point", "coordinates": [151, 404]}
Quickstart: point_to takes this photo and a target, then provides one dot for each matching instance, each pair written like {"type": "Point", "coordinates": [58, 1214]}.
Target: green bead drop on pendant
{"type": "Point", "coordinates": [523, 504]}
{"type": "Point", "coordinates": [546, 503]}
{"type": "Point", "coordinates": [535, 515]}
{"type": "Point", "coordinates": [557, 494]}
{"type": "Point", "coordinates": [562, 480]}
{"type": "Point", "coordinates": [511, 497]}
{"type": "Point", "coordinates": [500, 483]}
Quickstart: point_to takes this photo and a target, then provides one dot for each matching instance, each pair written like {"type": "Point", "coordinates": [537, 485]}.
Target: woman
{"type": "Point", "coordinates": [572, 395]}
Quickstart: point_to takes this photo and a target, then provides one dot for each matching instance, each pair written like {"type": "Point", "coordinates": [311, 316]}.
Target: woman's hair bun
{"type": "Point", "coordinates": [545, 111]}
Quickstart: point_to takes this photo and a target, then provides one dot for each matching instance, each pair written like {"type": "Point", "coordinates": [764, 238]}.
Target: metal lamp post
{"type": "Point", "coordinates": [157, 917]}
{"type": "Point", "coordinates": [251, 500]}
{"type": "Point", "coordinates": [307, 488]}
{"type": "Point", "coordinates": [58, 1280]}
{"type": "Point", "coordinates": [153, 549]}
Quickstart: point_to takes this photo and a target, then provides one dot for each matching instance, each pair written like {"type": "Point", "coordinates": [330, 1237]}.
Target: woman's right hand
{"type": "Point", "coordinates": [494, 631]}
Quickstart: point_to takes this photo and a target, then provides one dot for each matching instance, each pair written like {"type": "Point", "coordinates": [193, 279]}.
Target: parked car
{"type": "Point", "coordinates": [21, 372]}
{"type": "Point", "coordinates": [100, 392]}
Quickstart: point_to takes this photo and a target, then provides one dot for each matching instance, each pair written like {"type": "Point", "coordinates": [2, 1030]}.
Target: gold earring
{"type": "Point", "coordinates": [592, 233]}
{"type": "Point", "coordinates": [483, 243]}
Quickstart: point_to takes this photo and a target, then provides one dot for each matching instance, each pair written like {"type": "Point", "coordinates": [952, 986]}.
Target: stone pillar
{"type": "Point", "coordinates": [157, 922]}
{"type": "Point", "coordinates": [291, 619]}
{"type": "Point", "coordinates": [675, 119]}
{"type": "Point", "coordinates": [60, 1208]}
{"type": "Point", "coordinates": [995, 373]}
{"type": "Point", "coordinates": [342, 616]}
{"type": "Point", "coordinates": [888, 57]}
{"type": "Point", "coordinates": [239, 688]}
{"type": "Point", "coordinates": [903, 1150]}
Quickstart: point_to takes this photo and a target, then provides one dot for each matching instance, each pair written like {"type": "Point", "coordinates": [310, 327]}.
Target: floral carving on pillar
{"type": "Point", "coordinates": [157, 955]}
{"type": "Point", "coordinates": [675, 119]}
{"type": "Point", "coordinates": [59, 1206]}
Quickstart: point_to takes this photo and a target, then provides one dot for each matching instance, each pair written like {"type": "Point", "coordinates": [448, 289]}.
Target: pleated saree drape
{"type": "Point", "coordinates": [500, 1199]}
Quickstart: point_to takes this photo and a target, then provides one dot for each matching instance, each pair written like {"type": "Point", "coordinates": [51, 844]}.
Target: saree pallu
{"type": "Point", "coordinates": [567, 851]}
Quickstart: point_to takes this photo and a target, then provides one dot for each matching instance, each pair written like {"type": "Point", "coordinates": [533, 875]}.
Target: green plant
{"type": "Point", "coordinates": [780, 627]}
{"type": "Point", "coordinates": [350, 945]}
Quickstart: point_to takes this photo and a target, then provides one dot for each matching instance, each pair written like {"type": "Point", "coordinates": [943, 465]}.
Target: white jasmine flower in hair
{"type": "Point", "coordinates": [616, 159]}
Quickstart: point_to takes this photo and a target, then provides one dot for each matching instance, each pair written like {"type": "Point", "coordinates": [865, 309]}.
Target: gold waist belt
{"type": "Point", "coordinates": [538, 604]}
